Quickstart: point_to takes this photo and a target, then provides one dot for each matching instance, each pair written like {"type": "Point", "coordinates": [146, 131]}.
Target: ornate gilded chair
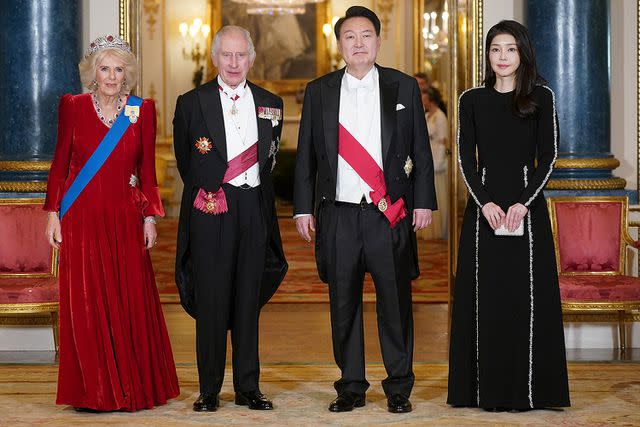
{"type": "Point", "coordinates": [591, 239]}
{"type": "Point", "coordinates": [28, 266]}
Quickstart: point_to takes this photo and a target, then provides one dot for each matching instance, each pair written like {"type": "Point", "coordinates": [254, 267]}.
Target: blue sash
{"type": "Point", "coordinates": [99, 156]}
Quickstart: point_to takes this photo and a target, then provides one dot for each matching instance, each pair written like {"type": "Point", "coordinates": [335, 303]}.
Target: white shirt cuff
{"type": "Point", "coordinates": [300, 216]}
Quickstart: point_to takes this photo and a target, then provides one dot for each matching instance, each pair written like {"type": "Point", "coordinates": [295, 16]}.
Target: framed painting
{"type": "Point", "coordinates": [290, 49]}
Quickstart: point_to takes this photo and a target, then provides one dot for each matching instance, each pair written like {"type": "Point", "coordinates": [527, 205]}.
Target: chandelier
{"type": "Point", "coordinates": [436, 37]}
{"type": "Point", "coordinates": [276, 7]}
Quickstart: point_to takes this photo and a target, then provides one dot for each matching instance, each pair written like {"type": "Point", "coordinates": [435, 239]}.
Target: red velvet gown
{"type": "Point", "coordinates": [115, 352]}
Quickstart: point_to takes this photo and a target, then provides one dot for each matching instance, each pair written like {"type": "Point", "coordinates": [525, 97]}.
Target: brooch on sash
{"type": "Point", "coordinates": [270, 113]}
{"type": "Point", "coordinates": [408, 166]}
{"type": "Point", "coordinates": [203, 145]}
{"type": "Point", "coordinates": [382, 205]}
{"type": "Point", "coordinates": [133, 112]}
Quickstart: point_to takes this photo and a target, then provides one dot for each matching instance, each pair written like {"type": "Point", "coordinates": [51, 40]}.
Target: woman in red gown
{"type": "Point", "coordinates": [115, 352]}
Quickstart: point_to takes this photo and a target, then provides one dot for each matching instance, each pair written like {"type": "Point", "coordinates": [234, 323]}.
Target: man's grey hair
{"type": "Point", "coordinates": [215, 46]}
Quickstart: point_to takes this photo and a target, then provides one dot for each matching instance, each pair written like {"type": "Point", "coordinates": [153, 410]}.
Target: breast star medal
{"type": "Point", "coordinates": [133, 112]}
{"type": "Point", "coordinates": [408, 166]}
{"type": "Point", "coordinates": [203, 145]}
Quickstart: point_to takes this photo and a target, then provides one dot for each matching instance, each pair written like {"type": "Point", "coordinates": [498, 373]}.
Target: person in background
{"type": "Point", "coordinates": [438, 127]}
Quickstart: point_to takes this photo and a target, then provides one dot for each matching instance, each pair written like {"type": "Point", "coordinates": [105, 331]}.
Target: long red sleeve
{"type": "Point", "coordinates": [62, 156]}
{"type": "Point", "coordinates": [147, 161]}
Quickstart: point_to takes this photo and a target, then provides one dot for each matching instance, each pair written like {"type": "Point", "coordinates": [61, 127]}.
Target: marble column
{"type": "Point", "coordinates": [571, 39]}
{"type": "Point", "coordinates": [41, 45]}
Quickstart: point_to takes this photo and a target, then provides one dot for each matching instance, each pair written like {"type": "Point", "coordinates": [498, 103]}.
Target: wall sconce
{"type": "Point", "coordinates": [196, 32]}
{"type": "Point", "coordinates": [332, 44]}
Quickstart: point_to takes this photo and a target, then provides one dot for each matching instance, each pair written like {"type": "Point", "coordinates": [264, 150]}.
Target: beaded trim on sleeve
{"type": "Point", "coordinates": [464, 177]}
{"type": "Point", "coordinates": [555, 149]}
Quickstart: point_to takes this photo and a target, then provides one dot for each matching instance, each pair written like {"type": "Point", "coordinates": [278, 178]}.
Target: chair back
{"type": "Point", "coordinates": [588, 233]}
{"type": "Point", "coordinates": [24, 250]}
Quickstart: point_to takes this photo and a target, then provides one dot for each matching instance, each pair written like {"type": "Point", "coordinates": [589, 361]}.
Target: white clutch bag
{"type": "Point", "coordinates": [503, 231]}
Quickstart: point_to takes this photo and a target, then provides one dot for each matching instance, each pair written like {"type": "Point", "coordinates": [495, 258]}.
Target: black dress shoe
{"type": "Point", "coordinates": [254, 400]}
{"type": "Point", "coordinates": [398, 404]}
{"type": "Point", "coordinates": [207, 402]}
{"type": "Point", "coordinates": [347, 401]}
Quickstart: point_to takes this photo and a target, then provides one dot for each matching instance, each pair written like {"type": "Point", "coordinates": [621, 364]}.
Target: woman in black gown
{"type": "Point", "coordinates": [507, 341]}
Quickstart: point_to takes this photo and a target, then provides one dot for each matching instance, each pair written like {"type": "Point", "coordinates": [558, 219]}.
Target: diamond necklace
{"type": "Point", "coordinates": [101, 116]}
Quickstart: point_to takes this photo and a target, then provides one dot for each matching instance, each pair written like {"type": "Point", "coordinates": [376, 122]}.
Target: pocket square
{"type": "Point", "coordinates": [399, 107]}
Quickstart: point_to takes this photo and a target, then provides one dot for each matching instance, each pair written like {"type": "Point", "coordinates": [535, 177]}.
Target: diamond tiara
{"type": "Point", "coordinates": [107, 42]}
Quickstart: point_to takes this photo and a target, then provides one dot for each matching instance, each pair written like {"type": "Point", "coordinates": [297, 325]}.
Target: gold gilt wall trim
{"type": "Point", "coordinates": [600, 306]}
{"type": "Point", "coordinates": [609, 317]}
{"type": "Point", "coordinates": [7, 165]}
{"type": "Point", "coordinates": [385, 8]}
{"type": "Point", "coordinates": [151, 8]}
{"type": "Point", "coordinates": [594, 163]}
{"type": "Point", "coordinates": [28, 308]}
{"type": "Point", "coordinates": [23, 187]}
{"type": "Point", "coordinates": [587, 184]}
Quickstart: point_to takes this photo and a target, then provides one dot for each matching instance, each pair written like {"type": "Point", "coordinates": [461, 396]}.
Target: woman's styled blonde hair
{"type": "Point", "coordinates": [88, 65]}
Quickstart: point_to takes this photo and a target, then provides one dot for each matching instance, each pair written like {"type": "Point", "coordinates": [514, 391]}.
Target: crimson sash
{"type": "Point", "coordinates": [215, 203]}
{"type": "Point", "coordinates": [361, 161]}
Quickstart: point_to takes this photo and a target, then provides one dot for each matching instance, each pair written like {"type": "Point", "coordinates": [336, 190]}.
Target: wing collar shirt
{"type": "Point", "coordinates": [360, 115]}
{"type": "Point", "coordinates": [241, 129]}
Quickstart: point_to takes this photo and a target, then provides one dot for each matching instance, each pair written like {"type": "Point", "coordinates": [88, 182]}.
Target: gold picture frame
{"type": "Point", "coordinates": [286, 86]}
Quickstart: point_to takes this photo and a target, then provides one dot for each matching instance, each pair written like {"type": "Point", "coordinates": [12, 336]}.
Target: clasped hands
{"type": "Point", "coordinates": [495, 216]}
{"type": "Point", "coordinates": [307, 224]}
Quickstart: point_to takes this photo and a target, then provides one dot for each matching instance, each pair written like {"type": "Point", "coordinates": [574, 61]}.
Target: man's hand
{"type": "Point", "coordinates": [494, 214]}
{"type": "Point", "coordinates": [514, 216]}
{"type": "Point", "coordinates": [421, 218]}
{"type": "Point", "coordinates": [305, 224]}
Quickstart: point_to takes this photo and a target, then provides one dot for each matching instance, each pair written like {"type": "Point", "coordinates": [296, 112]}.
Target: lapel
{"type": "Point", "coordinates": [265, 131]}
{"type": "Point", "coordinates": [211, 108]}
{"type": "Point", "coordinates": [330, 90]}
{"type": "Point", "coordinates": [388, 100]}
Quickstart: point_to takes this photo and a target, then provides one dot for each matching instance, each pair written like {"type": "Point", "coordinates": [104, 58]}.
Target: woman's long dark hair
{"type": "Point", "coordinates": [527, 76]}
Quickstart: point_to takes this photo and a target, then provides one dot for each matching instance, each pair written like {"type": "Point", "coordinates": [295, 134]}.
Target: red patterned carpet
{"type": "Point", "coordinates": [302, 283]}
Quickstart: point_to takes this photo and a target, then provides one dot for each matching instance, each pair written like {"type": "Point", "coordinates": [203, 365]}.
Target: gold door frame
{"type": "Point", "coordinates": [465, 28]}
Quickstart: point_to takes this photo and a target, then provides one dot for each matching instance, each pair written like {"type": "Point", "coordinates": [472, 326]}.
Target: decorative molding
{"type": "Point", "coordinates": [587, 184]}
{"type": "Point", "coordinates": [23, 187]}
{"type": "Point", "coordinates": [28, 308]}
{"type": "Point", "coordinates": [600, 306]}
{"type": "Point", "coordinates": [151, 10]}
{"type": "Point", "coordinates": [385, 8]}
{"type": "Point", "coordinates": [7, 165]}
{"type": "Point", "coordinates": [592, 163]}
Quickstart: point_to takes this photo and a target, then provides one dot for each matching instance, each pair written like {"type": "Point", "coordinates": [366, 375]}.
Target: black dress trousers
{"type": "Point", "coordinates": [358, 239]}
{"type": "Point", "coordinates": [228, 252]}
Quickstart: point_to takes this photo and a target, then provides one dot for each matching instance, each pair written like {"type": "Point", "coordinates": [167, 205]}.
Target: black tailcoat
{"type": "Point", "coordinates": [404, 136]}
{"type": "Point", "coordinates": [199, 114]}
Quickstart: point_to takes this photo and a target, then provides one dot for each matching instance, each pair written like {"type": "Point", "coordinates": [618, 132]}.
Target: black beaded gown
{"type": "Point", "coordinates": [507, 340]}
